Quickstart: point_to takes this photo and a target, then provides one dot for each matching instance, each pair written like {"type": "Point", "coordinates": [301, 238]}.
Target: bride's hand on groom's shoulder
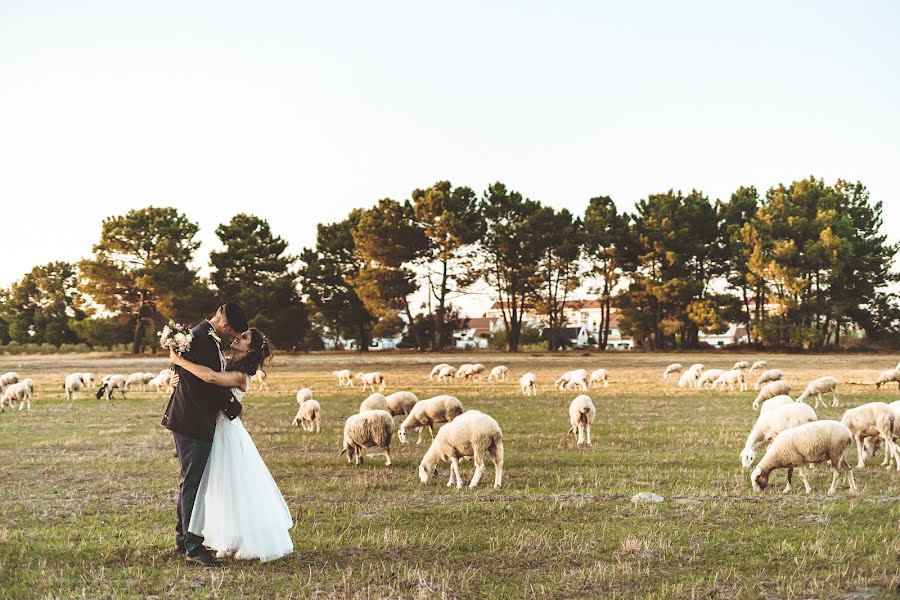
{"type": "Point", "coordinates": [174, 381]}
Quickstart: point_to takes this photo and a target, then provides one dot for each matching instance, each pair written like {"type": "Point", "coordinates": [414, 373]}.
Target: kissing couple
{"type": "Point", "coordinates": [228, 503]}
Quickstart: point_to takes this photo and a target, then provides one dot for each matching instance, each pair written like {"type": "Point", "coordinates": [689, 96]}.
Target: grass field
{"type": "Point", "coordinates": [88, 493]}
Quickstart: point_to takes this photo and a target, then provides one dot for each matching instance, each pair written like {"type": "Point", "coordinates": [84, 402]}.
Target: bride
{"type": "Point", "coordinates": [239, 509]}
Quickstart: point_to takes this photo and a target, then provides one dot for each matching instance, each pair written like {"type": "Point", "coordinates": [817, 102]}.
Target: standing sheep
{"type": "Point", "coordinates": [811, 443]}
{"type": "Point", "coordinates": [758, 365]}
{"type": "Point", "coordinates": [261, 379]}
{"type": "Point", "coordinates": [435, 370]}
{"type": "Point", "coordinates": [770, 390]}
{"type": "Point", "coordinates": [564, 379]}
{"type": "Point", "coordinates": [820, 386]}
{"type": "Point", "coordinates": [598, 376]}
{"type": "Point", "coordinates": [375, 401]}
{"type": "Point", "coordinates": [463, 371]}
{"type": "Point", "coordinates": [401, 403]}
{"type": "Point", "coordinates": [708, 377]}
{"type": "Point", "coordinates": [163, 379]}
{"type": "Point", "coordinates": [425, 413]}
{"type": "Point", "coordinates": [373, 428]}
{"type": "Point", "coordinates": [308, 414]}
{"type": "Point", "coordinates": [447, 373]}
{"type": "Point", "coordinates": [21, 391]}
{"type": "Point", "coordinates": [740, 365]}
{"type": "Point", "coordinates": [671, 369]}
{"type": "Point", "coordinates": [775, 402]}
{"type": "Point", "coordinates": [74, 383]}
{"type": "Point", "coordinates": [871, 444]}
{"type": "Point", "coordinates": [370, 379]}
{"type": "Point", "coordinates": [767, 376]}
{"type": "Point", "coordinates": [870, 420]}
{"type": "Point", "coordinates": [88, 379]}
{"type": "Point", "coordinates": [528, 383]}
{"type": "Point", "coordinates": [773, 422]}
{"type": "Point", "coordinates": [889, 376]}
{"type": "Point", "coordinates": [576, 383]}
{"type": "Point", "coordinates": [472, 434]}
{"type": "Point", "coordinates": [140, 380]}
{"type": "Point", "coordinates": [109, 384]}
{"type": "Point", "coordinates": [7, 379]}
{"type": "Point", "coordinates": [689, 378]}
{"type": "Point", "coordinates": [731, 378]}
{"type": "Point", "coordinates": [581, 416]}
{"type": "Point", "coordinates": [344, 377]}
{"type": "Point", "coordinates": [499, 373]}
{"type": "Point", "coordinates": [304, 394]}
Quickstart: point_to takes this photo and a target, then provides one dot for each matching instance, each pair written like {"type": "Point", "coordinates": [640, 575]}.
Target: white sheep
{"type": "Point", "coordinates": [472, 434]}
{"type": "Point", "coordinates": [447, 373]}
{"type": "Point", "coordinates": [308, 414]}
{"type": "Point", "coordinates": [871, 444]}
{"type": "Point", "coordinates": [8, 379]}
{"type": "Point", "coordinates": [261, 379]}
{"type": "Point", "coordinates": [344, 377]}
{"type": "Point", "coordinates": [581, 416]}
{"type": "Point", "coordinates": [499, 373]}
{"type": "Point", "coordinates": [88, 380]}
{"type": "Point", "coordinates": [891, 375]}
{"type": "Point", "coordinates": [435, 370]}
{"type": "Point", "coordinates": [740, 365]}
{"type": "Point", "coordinates": [599, 375]}
{"type": "Point", "coordinates": [767, 376]}
{"type": "Point", "coordinates": [139, 380]}
{"type": "Point", "coordinates": [476, 371]}
{"type": "Point", "coordinates": [775, 402]}
{"type": "Point", "coordinates": [810, 443]}
{"type": "Point", "coordinates": [373, 428]}
{"type": "Point", "coordinates": [564, 379]}
{"type": "Point", "coordinates": [370, 379]}
{"type": "Point", "coordinates": [771, 423]}
{"type": "Point", "coordinates": [74, 383]}
{"type": "Point", "coordinates": [109, 384]}
{"type": "Point", "coordinates": [731, 378]}
{"type": "Point", "coordinates": [689, 378]}
{"type": "Point", "coordinates": [21, 391]}
{"type": "Point", "coordinates": [576, 383]}
{"type": "Point", "coordinates": [304, 394]}
{"type": "Point", "coordinates": [671, 369]}
{"type": "Point", "coordinates": [870, 420]}
{"type": "Point", "coordinates": [528, 383]}
{"type": "Point", "coordinates": [425, 413]}
{"type": "Point", "coordinates": [698, 367]}
{"type": "Point", "coordinates": [401, 403]}
{"type": "Point", "coordinates": [163, 379]}
{"type": "Point", "coordinates": [770, 390]}
{"type": "Point", "coordinates": [375, 401]}
{"type": "Point", "coordinates": [820, 386]}
{"type": "Point", "coordinates": [758, 365]}
{"type": "Point", "coordinates": [708, 377]}
{"type": "Point", "coordinates": [463, 371]}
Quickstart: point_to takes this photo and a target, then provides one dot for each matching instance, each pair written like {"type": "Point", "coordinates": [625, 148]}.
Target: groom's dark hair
{"type": "Point", "coordinates": [235, 316]}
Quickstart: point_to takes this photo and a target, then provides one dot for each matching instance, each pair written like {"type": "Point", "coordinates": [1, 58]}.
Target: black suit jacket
{"type": "Point", "coordinates": [195, 404]}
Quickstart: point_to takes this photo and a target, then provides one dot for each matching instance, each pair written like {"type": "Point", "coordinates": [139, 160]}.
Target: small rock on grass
{"type": "Point", "coordinates": [647, 497]}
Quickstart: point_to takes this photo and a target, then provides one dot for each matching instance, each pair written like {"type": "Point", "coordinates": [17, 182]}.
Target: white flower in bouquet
{"type": "Point", "coordinates": [175, 336]}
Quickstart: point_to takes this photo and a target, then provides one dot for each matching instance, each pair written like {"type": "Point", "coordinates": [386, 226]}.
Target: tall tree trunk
{"type": "Point", "coordinates": [837, 333]}
{"type": "Point", "coordinates": [439, 315]}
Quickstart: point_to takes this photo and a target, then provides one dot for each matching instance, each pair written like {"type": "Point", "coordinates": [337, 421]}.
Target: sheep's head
{"type": "Point", "coordinates": [759, 480]}
{"type": "Point", "coordinates": [401, 435]}
{"type": "Point", "coordinates": [426, 472]}
{"type": "Point", "coordinates": [748, 455]}
{"type": "Point", "coordinates": [871, 446]}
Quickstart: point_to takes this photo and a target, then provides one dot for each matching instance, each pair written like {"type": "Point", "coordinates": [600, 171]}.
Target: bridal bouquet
{"type": "Point", "coordinates": [175, 336]}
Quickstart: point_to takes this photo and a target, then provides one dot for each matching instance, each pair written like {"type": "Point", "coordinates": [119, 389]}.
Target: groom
{"type": "Point", "coordinates": [191, 417]}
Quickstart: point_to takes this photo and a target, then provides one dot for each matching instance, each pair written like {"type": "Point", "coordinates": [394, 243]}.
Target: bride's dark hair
{"type": "Point", "coordinates": [260, 352]}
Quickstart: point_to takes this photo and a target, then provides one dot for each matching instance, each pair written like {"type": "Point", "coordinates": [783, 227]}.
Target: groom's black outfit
{"type": "Point", "coordinates": [191, 416]}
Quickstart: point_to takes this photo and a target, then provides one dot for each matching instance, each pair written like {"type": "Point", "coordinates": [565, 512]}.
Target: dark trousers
{"type": "Point", "coordinates": [193, 454]}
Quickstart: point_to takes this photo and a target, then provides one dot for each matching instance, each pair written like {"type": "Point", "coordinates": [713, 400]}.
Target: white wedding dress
{"type": "Point", "coordinates": [239, 508]}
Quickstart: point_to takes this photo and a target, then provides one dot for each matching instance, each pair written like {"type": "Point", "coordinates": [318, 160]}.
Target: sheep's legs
{"type": "Point", "coordinates": [420, 436]}
{"type": "Point", "coordinates": [317, 426]}
{"type": "Point", "coordinates": [834, 399]}
{"type": "Point", "coordinates": [479, 469]}
{"type": "Point", "coordinates": [387, 453]}
{"type": "Point", "coordinates": [805, 480]}
{"type": "Point", "coordinates": [580, 435]}
{"type": "Point", "coordinates": [860, 452]}
{"type": "Point", "coordinates": [454, 468]}
{"type": "Point", "coordinates": [790, 476]}
{"type": "Point", "coordinates": [588, 432]}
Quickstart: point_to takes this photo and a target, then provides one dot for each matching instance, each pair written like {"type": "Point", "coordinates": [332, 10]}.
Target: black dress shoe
{"type": "Point", "coordinates": [204, 558]}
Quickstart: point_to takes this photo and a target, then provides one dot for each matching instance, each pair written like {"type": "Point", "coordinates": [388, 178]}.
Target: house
{"type": "Point", "coordinates": [735, 334]}
{"type": "Point", "coordinates": [476, 334]}
{"type": "Point", "coordinates": [577, 337]}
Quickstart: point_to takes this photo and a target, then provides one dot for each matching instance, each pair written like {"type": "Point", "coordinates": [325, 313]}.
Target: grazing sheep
{"type": "Point", "coordinates": [463, 371]}
{"type": "Point", "coordinates": [138, 379]}
{"type": "Point", "coordinates": [344, 377]}
{"type": "Point", "coordinates": [767, 376]}
{"type": "Point", "coordinates": [758, 365]}
{"type": "Point", "coordinates": [375, 401]}
{"type": "Point", "coordinates": [472, 434]}
{"type": "Point", "coordinates": [770, 390]}
{"type": "Point", "coordinates": [871, 444]}
{"type": "Point", "coordinates": [581, 416]}
{"type": "Point", "coordinates": [598, 376]}
{"type": "Point", "coordinates": [401, 403]}
{"type": "Point", "coordinates": [820, 386]}
{"type": "Point", "coordinates": [88, 380]}
{"type": "Point", "coordinates": [576, 383]}
{"type": "Point", "coordinates": [708, 377]}
{"type": "Point", "coordinates": [373, 428]}
{"type": "Point", "coordinates": [689, 378]}
{"type": "Point", "coordinates": [425, 413]}
{"type": "Point", "coordinates": [476, 371]}
{"type": "Point", "coordinates": [698, 367]}
{"type": "Point", "coordinates": [528, 383]}
{"type": "Point", "coordinates": [771, 423]}
{"type": "Point", "coordinates": [775, 402]}
{"type": "Point", "coordinates": [163, 379]}
{"type": "Point", "coordinates": [566, 377]}
{"type": "Point", "coordinates": [671, 369]}
{"type": "Point", "coordinates": [304, 394]}
{"type": "Point", "coordinates": [109, 384]}
{"type": "Point", "coordinates": [74, 383]}
{"type": "Point", "coordinates": [308, 414]}
{"type": "Point", "coordinates": [740, 365]}
{"type": "Point", "coordinates": [436, 369]}
{"type": "Point", "coordinates": [499, 373]}
{"type": "Point", "coordinates": [447, 373]}
{"type": "Point", "coordinates": [870, 420]}
{"type": "Point", "coordinates": [370, 379]}
{"type": "Point", "coordinates": [260, 378]}
{"type": "Point", "coordinates": [8, 379]}
{"type": "Point", "coordinates": [731, 379]}
{"type": "Point", "coordinates": [887, 377]}
{"type": "Point", "coordinates": [21, 391]}
{"type": "Point", "coordinates": [810, 443]}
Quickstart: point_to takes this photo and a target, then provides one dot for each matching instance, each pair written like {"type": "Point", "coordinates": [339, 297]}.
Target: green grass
{"type": "Point", "coordinates": [88, 493]}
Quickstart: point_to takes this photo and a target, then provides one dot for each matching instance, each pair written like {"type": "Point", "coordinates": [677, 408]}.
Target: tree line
{"type": "Point", "coordinates": [799, 266]}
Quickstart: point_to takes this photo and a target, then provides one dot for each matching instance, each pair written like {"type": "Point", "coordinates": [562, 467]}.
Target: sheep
{"type": "Point", "coordinates": [21, 391]}
{"type": "Point", "coordinates": [708, 377]}
{"type": "Point", "coordinates": [138, 379]}
{"type": "Point", "coordinates": [260, 378]}
{"type": "Point", "coordinates": [370, 379]}
{"type": "Point", "coordinates": [758, 365]}
{"type": "Point", "coordinates": [401, 403]}
{"type": "Point", "coordinates": [109, 384]}
{"type": "Point", "coordinates": [731, 379]}
{"type": "Point", "coordinates": [74, 383]}
{"type": "Point", "coordinates": [598, 376]}
{"type": "Point", "coordinates": [576, 383]}
{"type": "Point", "coordinates": [344, 377]}
{"type": "Point", "coordinates": [375, 401]}
{"type": "Point", "coordinates": [820, 386]}
{"type": "Point", "coordinates": [472, 434]}
{"type": "Point", "coordinates": [767, 376]}
{"type": "Point", "coordinates": [308, 414]}
{"type": "Point", "coordinates": [564, 379]}
{"type": "Point", "coordinates": [771, 423]}
{"type": "Point", "coordinates": [8, 379]}
{"type": "Point", "coordinates": [88, 380]}
{"type": "Point", "coordinates": [499, 373]}
{"type": "Point", "coordinates": [440, 409]}
{"type": "Point", "coordinates": [871, 444]}
{"type": "Point", "coordinates": [304, 394]}
{"type": "Point", "coordinates": [775, 402]}
{"type": "Point", "coordinates": [740, 365]}
{"type": "Point", "coordinates": [581, 416]}
{"type": "Point", "coordinates": [870, 420]}
{"type": "Point", "coordinates": [689, 378]}
{"type": "Point", "coordinates": [528, 383]}
{"type": "Point", "coordinates": [463, 371]}
{"type": "Point", "coordinates": [698, 367]}
{"type": "Point", "coordinates": [476, 371]}
{"type": "Point", "coordinates": [887, 377]}
{"type": "Point", "coordinates": [446, 373]}
{"type": "Point", "coordinates": [373, 428]}
{"type": "Point", "coordinates": [163, 379]}
{"type": "Point", "coordinates": [810, 443]}
{"type": "Point", "coordinates": [436, 369]}
{"type": "Point", "coordinates": [671, 369]}
{"type": "Point", "coordinates": [770, 390]}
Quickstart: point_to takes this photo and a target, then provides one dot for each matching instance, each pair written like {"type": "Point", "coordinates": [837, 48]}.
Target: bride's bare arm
{"type": "Point", "coordinates": [228, 379]}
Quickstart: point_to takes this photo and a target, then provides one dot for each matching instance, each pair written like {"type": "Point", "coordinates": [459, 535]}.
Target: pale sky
{"type": "Point", "coordinates": [300, 111]}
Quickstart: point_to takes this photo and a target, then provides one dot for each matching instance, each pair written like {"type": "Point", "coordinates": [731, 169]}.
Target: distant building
{"type": "Point", "coordinates": [570, 336]}
{"type": "Point", "coordinates": [735, 334]}
{"type": "Point", "coordinates": [476, 334]}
